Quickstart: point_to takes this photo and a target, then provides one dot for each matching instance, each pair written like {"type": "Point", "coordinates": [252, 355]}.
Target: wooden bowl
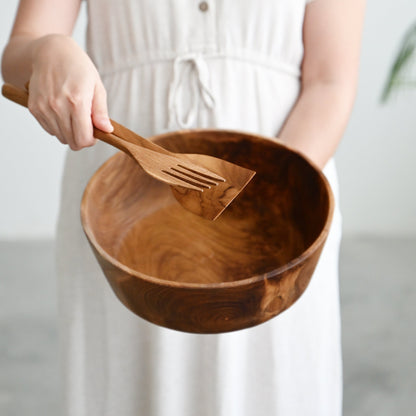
{"type": "Point", "coordinates": [183, 272]}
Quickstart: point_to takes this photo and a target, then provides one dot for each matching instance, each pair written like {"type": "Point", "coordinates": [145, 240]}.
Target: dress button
{"type": "Point", "coordinates": [203, 6]}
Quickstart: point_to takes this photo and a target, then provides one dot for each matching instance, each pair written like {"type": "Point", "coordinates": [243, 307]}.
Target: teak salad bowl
{"type": "Point", "coordinates": [183, 272]}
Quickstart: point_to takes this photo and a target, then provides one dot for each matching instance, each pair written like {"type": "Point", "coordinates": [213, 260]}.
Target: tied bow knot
{"type": "Point", "coordinates": [190, 74]}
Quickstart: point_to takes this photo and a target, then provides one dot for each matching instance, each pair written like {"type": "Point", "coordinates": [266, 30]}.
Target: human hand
{"type": "Point", "coordinates": [66, 94]}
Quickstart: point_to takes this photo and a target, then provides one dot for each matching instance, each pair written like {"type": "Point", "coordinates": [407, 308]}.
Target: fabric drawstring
{"type": "Point", "coordinates": [197, 83]}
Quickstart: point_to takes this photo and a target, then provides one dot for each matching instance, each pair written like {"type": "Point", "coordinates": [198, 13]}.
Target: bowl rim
{"type": "Point", "coordinates": [216, 285]}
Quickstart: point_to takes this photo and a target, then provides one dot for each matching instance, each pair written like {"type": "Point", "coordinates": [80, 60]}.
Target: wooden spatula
{"type": "Point", "coordinates": [203, 184]}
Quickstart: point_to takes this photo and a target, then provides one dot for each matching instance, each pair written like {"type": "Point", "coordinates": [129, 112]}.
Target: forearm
{"type": "Point", "coordinates": [35, 20]}
{"type": "Point", "coordinates": [332, 38]}
{"type": "Point", "coordinates": [20, 53]}
{"type": "Point", "coordinates": [318, 120]}
{"type": "Point", "coordinates": [17, 59]}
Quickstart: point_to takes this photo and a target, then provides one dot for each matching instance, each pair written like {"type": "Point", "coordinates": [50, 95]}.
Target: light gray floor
{"type": "Point", "coordinates": [378, 293]}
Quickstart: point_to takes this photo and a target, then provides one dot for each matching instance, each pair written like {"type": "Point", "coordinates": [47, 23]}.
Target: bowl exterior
{"type": "Point", "coordinates": [210, 310]}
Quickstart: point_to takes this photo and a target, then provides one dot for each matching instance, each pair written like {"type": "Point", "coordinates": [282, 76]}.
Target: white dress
{"type": "Point", "coordinates": [170, 64]}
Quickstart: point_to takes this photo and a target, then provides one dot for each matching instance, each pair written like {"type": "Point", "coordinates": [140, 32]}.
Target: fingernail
{"type": "Point", "coordinates": [109, 125]}
{"type": "Point", "coordinates": [105, 124]}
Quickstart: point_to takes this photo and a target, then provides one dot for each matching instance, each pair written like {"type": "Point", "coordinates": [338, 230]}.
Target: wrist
{"type": "Point", "coordinates": [46, 47]}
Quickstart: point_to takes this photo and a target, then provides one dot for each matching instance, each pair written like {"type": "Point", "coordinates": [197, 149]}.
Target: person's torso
{"type": "Point", "coordinates": [124, 32]}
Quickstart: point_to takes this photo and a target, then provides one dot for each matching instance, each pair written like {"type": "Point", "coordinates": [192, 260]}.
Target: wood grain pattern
{"type": "Point", "coordinates": [183, 272]}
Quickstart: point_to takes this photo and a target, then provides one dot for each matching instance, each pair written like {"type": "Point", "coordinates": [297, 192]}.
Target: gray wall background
{"type": "Point", "coordinates": [376, 159]}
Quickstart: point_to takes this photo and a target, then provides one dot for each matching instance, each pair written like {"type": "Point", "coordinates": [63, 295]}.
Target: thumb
{"type": "Point", "coordinates": [99, 111]}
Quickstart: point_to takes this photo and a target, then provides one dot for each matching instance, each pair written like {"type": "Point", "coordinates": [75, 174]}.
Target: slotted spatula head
{"type": "Point", "coordinates": [210, 203]}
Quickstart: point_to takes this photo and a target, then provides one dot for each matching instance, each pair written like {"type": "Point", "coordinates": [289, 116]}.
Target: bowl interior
{"type": "Point", "coordinates": [280, 214]}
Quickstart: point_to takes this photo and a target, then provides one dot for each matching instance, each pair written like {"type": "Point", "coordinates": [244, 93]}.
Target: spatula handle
{"type": "Point", "coordinates": [18, 95]}
{"type": "Point", "coordinates": [21, 96]}
{"type": "Point", "coordinates": [114, 140]}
